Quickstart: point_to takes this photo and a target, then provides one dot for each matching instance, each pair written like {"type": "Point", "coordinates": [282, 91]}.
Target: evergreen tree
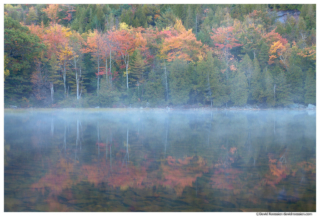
{"type": "Point", "coordinates": [282, 90]}
{"type": "Point", "coordinates": [220, 90]}
{"type": "Point", "coordinates": [154, 91]}
{"type": "Point", "coordinates": [108, 95]}
{"type": "Point", "coordinates": [268, 93]}
{"type": "Point", "coordinates": [21, 48]}
{"type": "Point", "coordinates": [263, 55]}
{"type": "Point", "coordinates": [239, 89]}
{"type": "Point", "coordinates": [247, 67]}
{"type": "Point", "coordinates": [256, 83]}
{"type": "Point", "coordinates": [189, 24]}
{"type": "Point", "coordinates": [137, 69]}
{"type": "Point", "coordinates": [179, 83]}
{"type": "Point", "coordinates": [310, 87]}
{"type": "Point", "coordinates": [295, 79]}
{"type": "Point", "coordinates": [211, 84]}
{"type": "Point", "coordinates": [166, 19]}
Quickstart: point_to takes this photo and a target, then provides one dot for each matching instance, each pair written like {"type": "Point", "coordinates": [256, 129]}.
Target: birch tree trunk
{"type": "Point", "coordinates": [110, 69]}
{"type": "Point", "coordinates": [274, 93]}
{"type": "Point", "coordinates": [52, 91]}
{"type": "Point", "coordinates": [79, 84]}
{"type": "Point", "coordinates": [106, 69]}
{"type": "Point", "coordinates": [127, 66]}
{"type": "Point", "coordinates": [64, 78]}
{"type": "Point", "coordinates": [98, 77]}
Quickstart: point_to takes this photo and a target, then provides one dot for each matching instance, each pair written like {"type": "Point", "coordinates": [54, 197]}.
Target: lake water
{"type": "Point", "coordinates": [229, 161]}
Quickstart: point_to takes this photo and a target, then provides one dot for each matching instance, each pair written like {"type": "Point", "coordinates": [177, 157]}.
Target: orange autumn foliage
{"type": "Point", "coordinates": [278, 171]}
{"type": "Point", "coordinates": [183, 173]}
{"type": "Point", "coordinates": [227, 178]}
{"type": "Point", "coordinates": [184, 45]}
{"type": "Point", "coordinates": [308, 52]}
{"type": "Point", "coordinates": [52, 12]}
{"type": "Point", "coordinates": [120, 176]}
{"type": "Point", "coordinates": [58, 179]}
{"type": "Point", "coordinates": [232, 150]}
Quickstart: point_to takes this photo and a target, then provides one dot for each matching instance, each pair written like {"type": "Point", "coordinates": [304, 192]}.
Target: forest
{"type": "Point", "coordinates": [159, 55]}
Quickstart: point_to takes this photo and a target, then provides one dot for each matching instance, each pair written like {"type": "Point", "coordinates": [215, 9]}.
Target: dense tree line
{"type": "Point", "coordinates": [159, 55]}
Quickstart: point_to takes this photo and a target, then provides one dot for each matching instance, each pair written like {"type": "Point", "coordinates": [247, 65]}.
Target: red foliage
{"type": "Point", "coordinates": [183, 173]}
{"type": "Point", "coordinates": [226, 179]}
{"type": "Point", "coordinates": [224, 37]}
{"type": "Point", "coordinates": [272, 37]}
{"type": "Point", "coordinates": [232, 150]}
{"type": "Point", "coordinates": [100, 73]}
{"type": "Point", "coordinates": [101, 144]}
{"type": "Point", "coordinates": [57, 179]}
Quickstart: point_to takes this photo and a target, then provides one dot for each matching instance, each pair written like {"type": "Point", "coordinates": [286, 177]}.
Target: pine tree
{"type": "Point", "coordinates": [282, 90]}
{"type": "Point", "coordinates": [219, 85]}
{"type": "Point", "coordinates": [137, 69]}
{"type": "Point", "coordinates": [108, 95]}
{"type": "Point", "coordinates": [179, 83]}
{"type": "Point", "coordinates": [204, 78]}
{"type": "Point", "coordinates": [247, 67]}
{"type": "Point", "coordinates": [295, 79]}
{"type": "Point", "coordinates": [189, 20]}
{"type": "Point", "coordinates": [154, 90]}
{"type": "Point", "coordinates": [268, 89]}
{"type": "Point", "coordinates": [256, 83]}
{"type": "Point", "coordinates": [310, 87]}
{"type": "Point", "coordinates": [263, 55]}
{"type": "Point", "coordinates": [239, 89]}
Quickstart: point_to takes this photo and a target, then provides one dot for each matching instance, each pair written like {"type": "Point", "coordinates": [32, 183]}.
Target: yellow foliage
{"type": "Point", "coordinates": [277, 47]}
{"type": "Point", "coordinates": [179, 27]}
{"type": "Point", "coordinates": [124, 26]}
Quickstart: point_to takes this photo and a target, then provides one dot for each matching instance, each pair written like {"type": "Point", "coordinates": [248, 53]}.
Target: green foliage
{"type": "Point", "coordinates": [282, 90]}
{"type": "Point", "coordinates": [166, 19]}
{"type": "Point", "coordinates": [239, 89]}
{"type": "Point", "coordinates": [256, 83]}
{"type": "Point", "coordinates": [179, 83]}
{"type": "Point", "coordinates": [137, 66]}
{"type": "Point", "coordinates": [154, 90]}
{"type": "Point", "coordinates": [268, 93]}
{"type": "Point", "coordinates": [263, 56]}
{"type": "Point", "coordinates": [20, 46]}
{"type": "Point", "coordinates": [246, 66]}
{"type": "Point", "coordinates": [108, 95]}
{"type": "Point", "coordinates": [295, 79]}
{"type": "Point", "coordinates": [310, 87]}
{"type": "Point", "coordinates": [214, 79]}
{"type": "Point", "coordinates": [20, 49]}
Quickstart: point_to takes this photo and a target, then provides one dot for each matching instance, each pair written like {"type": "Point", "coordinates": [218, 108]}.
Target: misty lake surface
{"type": "Point", "coordinates": [158, 160]}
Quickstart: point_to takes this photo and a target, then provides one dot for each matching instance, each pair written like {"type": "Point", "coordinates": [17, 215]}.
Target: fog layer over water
{"type": "Point", "coordinates": [160, 161]}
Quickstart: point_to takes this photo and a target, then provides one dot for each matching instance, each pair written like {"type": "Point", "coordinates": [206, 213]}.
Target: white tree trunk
{"type": "Point", "coordinates": [110, 68]}
{"type": "Point", "coordinates": [64, 77]}
{"type": "Point", "coordinates": [77, 80]}
{"type": "Point", "coordinates": [127, 66]}
{"type": "Point", "coordinates": [274, 92]}
{"type": "Point", "coordinates": [79, 84]}
{"type": "Point", "coordinates": [52, 91]}
{"type": "Point", "coordinates": [106, 69]}
{"type": "Point", "coordinates": [98, 77]}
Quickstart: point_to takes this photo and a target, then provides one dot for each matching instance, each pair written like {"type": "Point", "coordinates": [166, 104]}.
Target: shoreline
{"type": "Point", "coordinates": [160, 109]}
